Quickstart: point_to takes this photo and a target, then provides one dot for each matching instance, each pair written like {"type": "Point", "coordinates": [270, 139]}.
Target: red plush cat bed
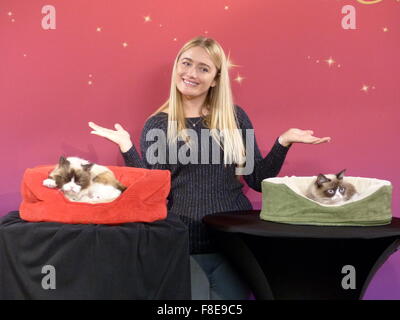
{"type": "Point", "coordinates": [144, 200]}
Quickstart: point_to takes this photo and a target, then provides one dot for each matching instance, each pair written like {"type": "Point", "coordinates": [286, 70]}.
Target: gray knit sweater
{"type": "Point", "coordinates": [201, 189]}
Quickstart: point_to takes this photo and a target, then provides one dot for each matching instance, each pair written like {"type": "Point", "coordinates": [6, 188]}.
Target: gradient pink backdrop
{"type": "Point", "coordinates": [280, 47]}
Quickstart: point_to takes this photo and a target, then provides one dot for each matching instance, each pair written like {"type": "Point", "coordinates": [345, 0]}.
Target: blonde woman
{"type": "Point", "coordinates": [201, 100]}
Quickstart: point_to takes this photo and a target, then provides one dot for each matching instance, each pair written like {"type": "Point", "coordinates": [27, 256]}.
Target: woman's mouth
{"type": "Point", "coordinates": [189, 83]}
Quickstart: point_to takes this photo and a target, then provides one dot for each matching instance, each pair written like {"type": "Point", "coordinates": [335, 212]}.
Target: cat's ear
{"type": "Point", "coordinates": [321, 179]}
{"type": "Point", "coordinates": [63, 162]}
{"type": "Point", "coordinates": [340, 174]}
{"type": "Point", "coordinates": [87, 167]}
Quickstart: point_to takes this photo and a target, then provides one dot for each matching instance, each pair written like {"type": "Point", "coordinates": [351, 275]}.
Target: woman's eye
{"type": "Point", "coordinates": [205, 70]}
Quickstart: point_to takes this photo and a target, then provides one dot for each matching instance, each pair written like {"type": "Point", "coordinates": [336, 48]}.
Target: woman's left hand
{"type": "Point", "coordinates": [300, 136]}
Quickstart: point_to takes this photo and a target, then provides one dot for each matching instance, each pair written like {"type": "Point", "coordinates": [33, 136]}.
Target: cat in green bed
{"type": "Point", "coordinates": [331, 189]}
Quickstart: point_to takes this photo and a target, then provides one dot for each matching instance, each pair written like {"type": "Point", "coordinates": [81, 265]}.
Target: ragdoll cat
{"type": "Point", "coordinates": [82, 181]}
{"type": "Point", "coordinates": [331, 189]}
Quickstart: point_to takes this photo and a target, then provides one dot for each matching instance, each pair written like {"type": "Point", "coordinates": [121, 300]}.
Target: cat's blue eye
{"type": "Point", "coordinates": [341, 189]}
{"type": "Point", "coordinates": [331, 191]}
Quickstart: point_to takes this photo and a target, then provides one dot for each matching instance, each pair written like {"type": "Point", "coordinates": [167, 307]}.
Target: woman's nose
{"type": "Point", "coordinates": [191, 71]}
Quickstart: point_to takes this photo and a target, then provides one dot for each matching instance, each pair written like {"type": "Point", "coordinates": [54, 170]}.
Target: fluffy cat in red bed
{"type": "Point", "coordinates": [82, 181]}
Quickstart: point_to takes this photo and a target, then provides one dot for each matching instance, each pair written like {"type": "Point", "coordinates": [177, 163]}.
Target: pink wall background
{"type": "Point", "coordinates": [280, 47]}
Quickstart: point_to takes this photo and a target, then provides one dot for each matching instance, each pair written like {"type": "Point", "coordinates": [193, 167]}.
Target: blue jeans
{"type": "Point", "coordinates": [213, 278]}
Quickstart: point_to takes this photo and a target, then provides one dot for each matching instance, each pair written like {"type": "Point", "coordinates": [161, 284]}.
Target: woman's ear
{"type": "Point", "coordinates": [214, 83]}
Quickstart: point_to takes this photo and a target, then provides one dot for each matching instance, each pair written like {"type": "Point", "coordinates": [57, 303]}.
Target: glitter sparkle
{"type": "Point", "coordinates": [330, 61]}
{"type": "Point", "coordinates": [365, 88]}
{"type": "Point", "coordinates": [230, 63]}
{"type": "Point", "coordinates": [239, 79]}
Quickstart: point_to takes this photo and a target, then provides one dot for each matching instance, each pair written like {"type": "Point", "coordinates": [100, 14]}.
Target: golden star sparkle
{"type": "Point", "coordinates": [365, 88]}
{"type": "Point", "coordinates": [239, 79]}
{"type": "Point", "coordinates": [385, 29]}
{"type": "Point", "coordinates": [330, 61]}
{"type": "Point", "coordinates": [98, 29]}
{"type": "Point", "coordinates": [147, 19]}
{"type": "Point", "coordinates": [229, 61]}
{"type": "Point", "coordinates": [124, 44]}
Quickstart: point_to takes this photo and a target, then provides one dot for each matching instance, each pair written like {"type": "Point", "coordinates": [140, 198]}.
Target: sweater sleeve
{"type": "Point", "coordinates": [153, 144]}
{"type": "Point", "coordinates": [264, 168]}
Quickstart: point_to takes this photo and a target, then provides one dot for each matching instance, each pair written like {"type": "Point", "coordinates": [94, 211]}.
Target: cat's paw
{"type": "Point", "coordinates": [49, 183]}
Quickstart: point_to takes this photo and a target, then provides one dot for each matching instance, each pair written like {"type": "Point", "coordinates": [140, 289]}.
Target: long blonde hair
{"type": "Point", "coordinates": [219, 100]}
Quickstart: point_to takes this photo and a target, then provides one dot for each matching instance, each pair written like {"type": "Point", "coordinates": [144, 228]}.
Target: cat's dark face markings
{"type": "Point", "coordinates": [62, 175]}
{"type": "Point", "coordinates": [330, 192]}
{"type": "Point", "coordinates": [61, 179]}
{"type": "Point", "coordinates": [329, 187]}
{"type": "Point", "coordinates": [65, 174]}
{"type": "Point", "coordinates": [334, 188]}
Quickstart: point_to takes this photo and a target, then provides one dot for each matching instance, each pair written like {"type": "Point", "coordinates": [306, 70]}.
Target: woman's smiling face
{"type": "Point", "coordinates": [195, 73]}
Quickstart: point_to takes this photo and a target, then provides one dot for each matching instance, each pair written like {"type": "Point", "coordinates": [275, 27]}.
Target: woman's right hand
{"type": "Point", "coordinates": [119, 136]}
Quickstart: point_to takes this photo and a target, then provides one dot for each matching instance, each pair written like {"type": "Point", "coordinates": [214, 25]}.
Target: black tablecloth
{"type": "Point", "coordinates": [284, 261]}
{"type": "Point", "coordinates": [249, 222]}
{"type": "Point", "coordinates": [127, 261]}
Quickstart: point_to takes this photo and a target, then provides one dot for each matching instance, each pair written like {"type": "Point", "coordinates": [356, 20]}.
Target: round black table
{"type": "Point", "coordinates": [284, 261]}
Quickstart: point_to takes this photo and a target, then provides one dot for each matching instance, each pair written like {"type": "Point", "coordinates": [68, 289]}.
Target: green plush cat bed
{"type": "Point", "coordinates": [284, 201]}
